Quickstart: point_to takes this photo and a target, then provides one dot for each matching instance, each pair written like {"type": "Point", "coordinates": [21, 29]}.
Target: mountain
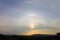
{"type": "Point", "coordinates": [42, 35]}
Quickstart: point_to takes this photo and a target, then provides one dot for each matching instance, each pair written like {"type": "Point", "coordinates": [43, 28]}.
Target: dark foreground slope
{"type": "Point", "coordinates": [32, 37]}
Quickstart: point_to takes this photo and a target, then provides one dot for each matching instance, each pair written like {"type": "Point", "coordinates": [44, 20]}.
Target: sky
{"type": "Point", "coordinates": [29, 16]}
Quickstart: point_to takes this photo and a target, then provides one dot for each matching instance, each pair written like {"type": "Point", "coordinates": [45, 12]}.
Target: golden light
{"type": "Point", "coordinates": [31, 32]}
{"type": "Point", "coordinates": [32, 25]}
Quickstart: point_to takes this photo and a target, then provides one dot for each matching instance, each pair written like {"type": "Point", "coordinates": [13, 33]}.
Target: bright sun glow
{"type": "Point", "coordinates": [31, 16]}
{"type": "Point", "coordinates": [32, 25]}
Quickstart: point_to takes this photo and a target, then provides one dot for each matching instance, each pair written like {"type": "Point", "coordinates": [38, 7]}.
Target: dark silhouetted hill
{"type": "Point", "coordinates": [31, 37]}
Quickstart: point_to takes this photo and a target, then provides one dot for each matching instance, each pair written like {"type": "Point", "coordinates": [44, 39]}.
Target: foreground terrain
{"type": "Point", "coordinates": [32, 37]}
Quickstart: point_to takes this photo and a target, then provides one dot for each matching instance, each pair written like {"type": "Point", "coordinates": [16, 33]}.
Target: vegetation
{"type": "Point", "coordinates": [22, 37]}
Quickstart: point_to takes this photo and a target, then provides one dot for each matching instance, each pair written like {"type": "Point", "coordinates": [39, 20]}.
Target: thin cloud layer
{"type": "Point", "coordinates": [14, 15]}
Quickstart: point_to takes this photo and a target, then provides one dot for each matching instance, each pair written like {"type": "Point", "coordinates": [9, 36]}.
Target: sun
{"type": "Point", "coordinates": [32, 25]}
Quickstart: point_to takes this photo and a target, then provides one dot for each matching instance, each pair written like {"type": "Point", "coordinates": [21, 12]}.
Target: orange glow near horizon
{"type": "Point", "coordinates": [38, 32]}
{"type": "Point", "coordinates": [34, 32]}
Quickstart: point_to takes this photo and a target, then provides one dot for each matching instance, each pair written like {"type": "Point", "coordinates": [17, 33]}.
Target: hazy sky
{"type": "Point", "coordinates": [18, 16]}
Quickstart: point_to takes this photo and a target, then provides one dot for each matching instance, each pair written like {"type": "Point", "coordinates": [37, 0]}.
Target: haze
{"type": "Point", "coordinates": [26, 17]}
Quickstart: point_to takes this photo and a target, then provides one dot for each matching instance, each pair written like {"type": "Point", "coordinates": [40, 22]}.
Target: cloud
{"type": "Point", "coordinates": [51, 8]}
{"type": "Point", "coordinates": [13, 17]}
